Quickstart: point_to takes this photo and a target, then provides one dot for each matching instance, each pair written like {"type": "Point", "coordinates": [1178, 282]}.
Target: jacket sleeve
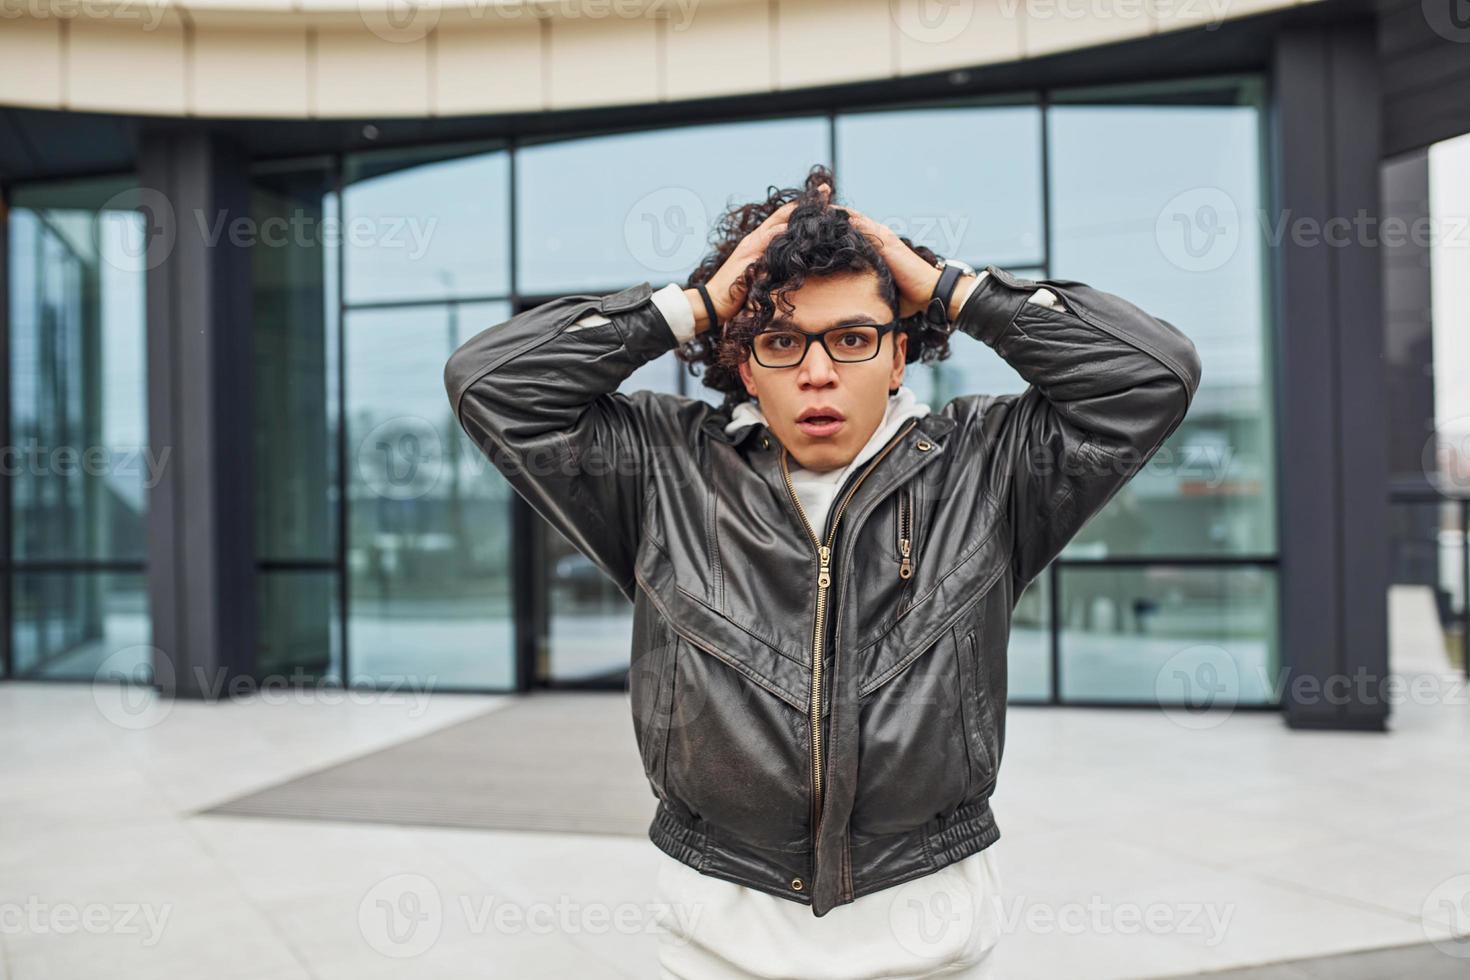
{"type": "Point", "coordinates": [1106, 384]}
{"type": "Point", "coordinates": [538, 395]}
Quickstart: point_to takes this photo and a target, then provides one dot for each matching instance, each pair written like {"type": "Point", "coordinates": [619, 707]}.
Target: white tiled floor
{"type": "Point", "coordinates": [1297, 844]}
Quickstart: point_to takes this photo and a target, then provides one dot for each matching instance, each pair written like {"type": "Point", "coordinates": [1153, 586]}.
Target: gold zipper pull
{"type": "Point", "coordinates": [824, 576]}
{"type": "Point", "coordinates": [906, 569]}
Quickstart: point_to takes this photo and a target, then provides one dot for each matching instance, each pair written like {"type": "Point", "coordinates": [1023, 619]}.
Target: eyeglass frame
{"type": "Point", "coordinates": [821, 335]}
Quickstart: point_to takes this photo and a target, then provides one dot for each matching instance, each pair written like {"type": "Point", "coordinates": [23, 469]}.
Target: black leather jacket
{"type": "Point", "coordinates": [823, 721]}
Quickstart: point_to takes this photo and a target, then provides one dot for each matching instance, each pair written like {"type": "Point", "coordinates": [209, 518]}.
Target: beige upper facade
{"type": "Point", "coordinates": [397, 58]}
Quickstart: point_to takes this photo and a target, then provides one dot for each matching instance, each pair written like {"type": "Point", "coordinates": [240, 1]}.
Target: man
{"type": "Point", "coordinates": [822, 570]}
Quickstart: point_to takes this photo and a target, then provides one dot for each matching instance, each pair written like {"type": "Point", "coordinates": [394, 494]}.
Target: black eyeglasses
{"type": "Point", "coordinates": [784, 347]}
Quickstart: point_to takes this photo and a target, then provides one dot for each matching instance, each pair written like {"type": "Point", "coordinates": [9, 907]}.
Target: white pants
{"type": "Point", "coordinates": [946, 924]}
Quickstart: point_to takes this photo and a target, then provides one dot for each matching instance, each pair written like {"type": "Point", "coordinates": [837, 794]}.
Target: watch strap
{"type": "Point", "coordinates": [937, 312]}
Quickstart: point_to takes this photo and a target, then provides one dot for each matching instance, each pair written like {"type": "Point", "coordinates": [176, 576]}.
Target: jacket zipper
{"type": "Point", "coordinates": [905, 533]}
{"type": "Point", "coordinates": [824, 581]}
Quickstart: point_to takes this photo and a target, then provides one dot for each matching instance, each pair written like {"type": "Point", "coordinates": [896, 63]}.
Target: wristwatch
{"type": "Point", "coordinates": [937, 312]}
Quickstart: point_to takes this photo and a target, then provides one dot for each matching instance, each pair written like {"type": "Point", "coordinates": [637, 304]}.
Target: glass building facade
{"type": "Point", "coordinates": [387, 547]}
{"type": "Point", "coordinates": [79, 465]}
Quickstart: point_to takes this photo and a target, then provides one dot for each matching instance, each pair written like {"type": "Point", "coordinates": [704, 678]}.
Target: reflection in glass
{"type": "Point", "coordinates": [646, 214]}
{"type": "Point", "coordinates": [1158, 205]}
{"type": "Point", "coordinates": [429, 544]}
{"type": "Point", "coordinates": [1174, 634]}
{"type": "Point", "coordinates": [77, 375]}
{"type": "Point", "coordinates": [299, 629]}
{"type": "Point", "coordinates": [295, 338]}
{"type": "Point", "coordinates": [1029, 656]}
{"type": "Point", "coordinates": [70, 625]}
{"type": "Point", "coordinates": [417, 227]}
{"type": "Point", "coordinates": [971, 190]}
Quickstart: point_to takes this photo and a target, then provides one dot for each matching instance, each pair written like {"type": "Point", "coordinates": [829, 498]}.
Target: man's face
{"type": "Point", "coordinates": [853, 394]}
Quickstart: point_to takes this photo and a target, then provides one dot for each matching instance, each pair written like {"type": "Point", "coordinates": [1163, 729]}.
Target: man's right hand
{"type": "Point", "coordinates": [727, 286]}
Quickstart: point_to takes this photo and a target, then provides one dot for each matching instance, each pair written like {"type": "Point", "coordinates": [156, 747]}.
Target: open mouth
{"type": "Point", "coordinates": [820, 422]}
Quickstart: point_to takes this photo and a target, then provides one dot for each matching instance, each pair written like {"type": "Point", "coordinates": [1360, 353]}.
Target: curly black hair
{"type": "Point", "coordinates": [819, 240]}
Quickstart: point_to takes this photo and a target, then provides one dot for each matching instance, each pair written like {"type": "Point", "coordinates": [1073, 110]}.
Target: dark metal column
{"type": "Point", "coordinates": [1333, 504]}
{"type": "Point", "coordinates": [201, 569]}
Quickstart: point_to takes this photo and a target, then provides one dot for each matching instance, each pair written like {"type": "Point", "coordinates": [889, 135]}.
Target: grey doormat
{"type": "Point", "coordinates": [550, 761]}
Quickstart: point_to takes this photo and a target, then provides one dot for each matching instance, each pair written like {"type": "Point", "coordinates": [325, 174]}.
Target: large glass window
{"type": "Point", "coordinates": [295, 265]}
{"type": "Point", "coordinates": [429, 540]}
{"type": "Point", "coordinates": [970, 187]}
{"type": "Point", "coordinates": [1168, 633]}
{"type": "Point", "coordinates": [602, 213]}
{"type": "Point", "coordinates": [420, 227]}
{"type": "Point", "coordinates": [1158, 201]}
{"type": "Point", "coordinates": [79, 463]}
{"type": "Point", "coordinates": [429, 531]}
{"type": "Point", "coordinates": [1159, 204]}
{"type": "Point", "coordinates": [386, 539]}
